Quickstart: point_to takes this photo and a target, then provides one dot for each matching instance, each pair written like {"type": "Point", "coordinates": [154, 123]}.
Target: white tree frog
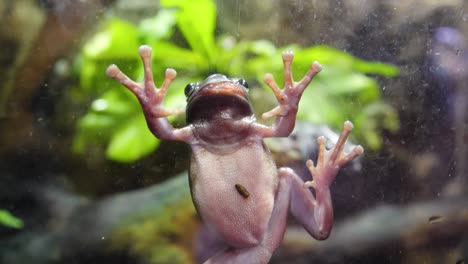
{"type": "Point", "coordinates": [240, 195]}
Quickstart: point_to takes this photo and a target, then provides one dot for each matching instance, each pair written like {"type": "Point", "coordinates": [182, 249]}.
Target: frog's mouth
{"type": "Point", "coordinates": [220, 88]}
{"type": "Point", "coordinates": [221, 99]}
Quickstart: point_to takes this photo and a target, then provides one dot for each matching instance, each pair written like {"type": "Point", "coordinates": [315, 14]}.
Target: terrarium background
{"type": "Point", "coordinates": [405, 205]}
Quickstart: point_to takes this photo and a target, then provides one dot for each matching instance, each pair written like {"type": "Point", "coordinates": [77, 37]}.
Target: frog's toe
{"type": "Point", "coordinates": [112, 71]}
{"type": "Point", "coordinates": [144, 50]}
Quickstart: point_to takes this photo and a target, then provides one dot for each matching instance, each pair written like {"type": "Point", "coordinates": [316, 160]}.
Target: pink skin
{"type": "Point", "coordinates": [228, 150]}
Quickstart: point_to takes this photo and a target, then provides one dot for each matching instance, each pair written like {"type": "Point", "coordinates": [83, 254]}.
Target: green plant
{"type": "Point", "coordinates": [9, 220]}
{"type": "Point", "coordinates": [341, 91]}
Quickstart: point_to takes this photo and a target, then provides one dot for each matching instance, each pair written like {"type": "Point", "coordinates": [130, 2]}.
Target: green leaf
{"type": "Point", "coordinates": [380, 68]}
{"type": "Point", "coordinates": [318, 107]}
{"type": "Point", "coordinates": [339, 81]}
{"type": "Point", "coordinates": [167, 55]}
{"type": "Point", "coordinates": [131, 141]}
{"type": "Point", "coordinates": [116, 102]}
{"type": "Point", "coordinates": [196, 20]}
{"type": "Point", "coordinates": [105, 115]}
{"type": "Point", "coordinates": [118, 40]}
{"type": "Point", "coordinates": [328, 55]}
{"type": "Point", "coordinates": [116, 43]}
{"type": "Point", "coordinates": [262, 47]}
{"type": "Point", "coordinates": [7, 219]}
{"type": "Point", "coordinates": [160, 26]}
{"type": "Point", "coordinates": [234, 58]}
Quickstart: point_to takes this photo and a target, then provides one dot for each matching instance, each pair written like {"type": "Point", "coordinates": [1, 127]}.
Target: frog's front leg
{"type": "Point", "coordinates": [151, 98]}
{"type": "Point", "coordinates": [288, 98]}
{"type": "Point", "coordinates": [316, 213]}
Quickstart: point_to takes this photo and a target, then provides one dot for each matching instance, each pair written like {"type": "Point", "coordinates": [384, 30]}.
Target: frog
{"type": "Point", "coordinates": [240, 195]}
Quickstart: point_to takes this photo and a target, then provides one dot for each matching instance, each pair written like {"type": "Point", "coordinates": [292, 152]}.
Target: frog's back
{"type": "Point", "coordinates": [236, 190]}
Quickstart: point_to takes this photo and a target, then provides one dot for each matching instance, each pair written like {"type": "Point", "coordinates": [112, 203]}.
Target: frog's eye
{"type": "Point", "coordinates": [189, 89]}
{"type": "Point", "coordinates": [243, 83]}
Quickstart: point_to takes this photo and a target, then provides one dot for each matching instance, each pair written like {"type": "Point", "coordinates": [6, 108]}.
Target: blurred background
{"type": "Point", "coordinates": [82, 180]}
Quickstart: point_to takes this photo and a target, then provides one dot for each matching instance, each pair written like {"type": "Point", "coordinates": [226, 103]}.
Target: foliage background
{"type": "Point", "coordinates": [345, 89]}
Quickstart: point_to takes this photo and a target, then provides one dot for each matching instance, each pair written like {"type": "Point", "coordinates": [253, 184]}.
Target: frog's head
{"type": "Point", "coordinates": [217, 96]}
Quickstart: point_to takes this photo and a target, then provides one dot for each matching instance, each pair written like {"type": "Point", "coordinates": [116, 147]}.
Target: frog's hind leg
{"type": "Point", "coordinates": [206, 244]}
{"type": "Point", "coordinates": [272, 238]}
{"type": "Point", "coordinates": [315, 213]}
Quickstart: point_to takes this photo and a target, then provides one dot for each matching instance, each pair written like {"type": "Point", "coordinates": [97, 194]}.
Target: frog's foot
{"type": "Point", "coordinates": [288, 97]}
{"type": "Point", "coordinates": [151, 98]}
{"type": "Point", "coordinates": [330, 162]}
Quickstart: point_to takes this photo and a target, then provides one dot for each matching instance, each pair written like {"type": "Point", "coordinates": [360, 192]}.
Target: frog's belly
{"type": "Point", "coordinates": [239, 217]}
